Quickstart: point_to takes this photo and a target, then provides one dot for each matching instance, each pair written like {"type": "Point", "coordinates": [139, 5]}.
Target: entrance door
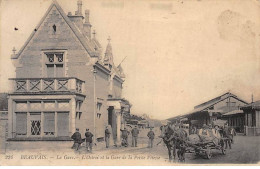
{"type": "Point", "coordinates": [112, 120]}
{"type": "Point", "coordinates": [110, 115]}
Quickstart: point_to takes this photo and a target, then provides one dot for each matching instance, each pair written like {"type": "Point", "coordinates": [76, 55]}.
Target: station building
{"type": "Point", "coordinates": [63, 81]}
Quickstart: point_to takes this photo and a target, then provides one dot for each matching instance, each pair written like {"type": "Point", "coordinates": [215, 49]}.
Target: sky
{"type": "Point", "coordinates": [179, 53]}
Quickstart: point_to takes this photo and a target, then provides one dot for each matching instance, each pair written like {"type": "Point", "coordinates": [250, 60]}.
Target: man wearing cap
{"type": "Point", "coordinates": [125, 134]}
{"type": "Point", "coordinates": [135, 133]}
{"type": "Point", "coordinates": [107, 136]}
{"type": "Point", "coordinates": [227, 136]}
{"type": "Point", "coordinates": [151, 137]}
{"type": "Point", "coordinates": [89, 136]}
{"type": "Point", "coordinates": [77, 139]}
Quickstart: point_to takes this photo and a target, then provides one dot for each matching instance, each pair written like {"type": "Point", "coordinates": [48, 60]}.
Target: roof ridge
{"type": "Point", "coordinates": [215, 98]}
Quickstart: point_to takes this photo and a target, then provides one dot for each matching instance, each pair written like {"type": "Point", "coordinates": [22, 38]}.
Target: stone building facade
{"type": "Point", "coordinates": [63, 82]}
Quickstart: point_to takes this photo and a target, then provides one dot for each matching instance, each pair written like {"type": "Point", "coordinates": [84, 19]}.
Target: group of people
{"type": "Point", "coordinates": [217, 131]}
{"type": "Point", "coordinates": [135, 132]}
{"type": "Point", "coordinates": [78, 140]}
{"type": "Point", "coordinates": [124, 134]}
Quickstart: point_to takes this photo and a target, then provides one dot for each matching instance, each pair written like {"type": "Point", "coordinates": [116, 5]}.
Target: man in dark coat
{"type": "Point", "coordinates": [125, 134]}
{"type": "Point", "coordinates": [77, 139]}
{"type": "Point", "coordinates": [151, 137]}
{"type": "Point", "coordinates": [135, 133]}
{"type": "Point", "coordinates": [107, 136]}
{"type": "Point", "coordinates": [233, 133]}
{"type": "Point", "coordinates": [89, 140]}
{"type": "Point", "coordinates": [228, 137]}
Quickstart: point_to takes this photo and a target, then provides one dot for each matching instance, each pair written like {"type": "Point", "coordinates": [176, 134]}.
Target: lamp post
{"type": "Point", "coordinates": [94, 76]}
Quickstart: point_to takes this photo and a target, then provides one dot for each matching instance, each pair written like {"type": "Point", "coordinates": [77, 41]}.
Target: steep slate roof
{"type": "Point", "coordinates": [95, 41]}
{"type": "Point", "coordinates": [120, 71]}
{"type": "Point", "coordinates": [214, 101]}
{"type": "Point", "coordinates": [208, 104]}
{"type": "Point", "coordinates": [233, 112]}
{"type": "Point", "coordinates": [226, 95]}
{"type": "Point", "coordinates": [108, 58]}
{"type": "Point", "coordinates": [254, 105]}
{"type": "Point", "coordinates": [83, 40]}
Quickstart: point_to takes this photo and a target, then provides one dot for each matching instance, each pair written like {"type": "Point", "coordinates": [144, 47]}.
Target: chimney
{"type": "Point", "coordinates": [79, 11]}
{"type": "Point", "coordinates": [86, 16]}
{"type": "Point", "coordinates": [77, 18]}
{"type": "Point", "coordinates": [87, 25]}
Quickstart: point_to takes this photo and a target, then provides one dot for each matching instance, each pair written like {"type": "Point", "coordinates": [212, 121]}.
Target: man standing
{"type": "Point", "coordinates": [151, 137]}
{"type": "Point", "coordinates": [135, 133]}
{"type": "Point", "coordinates": [125, 134]}
{"type": "Point", "coordinates": [89, 136]}
{"type": "Point", "coordinates": [77, 139]}
{"type": "Point", "coordinates": [107, 136]}
{"type": "Point", "coordinates": [227, 136]}
{"type": "Point", "coordinates": [233, 133]}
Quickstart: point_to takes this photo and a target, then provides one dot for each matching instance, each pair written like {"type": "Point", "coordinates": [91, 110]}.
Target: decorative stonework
{"type": "Point", "coordinates": [54, 22]}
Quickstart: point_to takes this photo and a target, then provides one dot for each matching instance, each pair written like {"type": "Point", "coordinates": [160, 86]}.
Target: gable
{"type": "Point", "coordinates": [217, 99]}
{"type": "Point", "coordinates": [45, 38]}
{"type": "Point", "coordinates": [229, 104]}
{"type": "Point", "coordinates": [55, 7]}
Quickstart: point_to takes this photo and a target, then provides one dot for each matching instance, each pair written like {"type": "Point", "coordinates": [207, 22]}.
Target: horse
{"type": "Point", "coordinates": [174, 140]}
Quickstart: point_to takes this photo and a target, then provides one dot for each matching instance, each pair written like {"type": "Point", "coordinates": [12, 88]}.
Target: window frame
{"type": "Point", "coordinates": [41, 111]}
{"type": "Point", "coordinates": [55, 62]}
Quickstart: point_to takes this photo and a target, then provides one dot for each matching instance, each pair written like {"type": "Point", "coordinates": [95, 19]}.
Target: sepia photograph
{"type": "Point", "coordinates": [129, 82]}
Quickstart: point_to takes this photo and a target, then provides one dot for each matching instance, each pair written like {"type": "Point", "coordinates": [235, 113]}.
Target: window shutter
{"type": "Point", "coordinates": [63, 124]}
{"type": "Point", "coordinates": [21, 123]}
{"type": "Point", "coordinates": [49, 122]}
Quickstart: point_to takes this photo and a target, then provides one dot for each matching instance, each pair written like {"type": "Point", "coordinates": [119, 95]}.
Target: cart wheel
{"type": "Point", "coordinates": [223, 151]}
{"type": "Point", "coordinates": [208, 153]}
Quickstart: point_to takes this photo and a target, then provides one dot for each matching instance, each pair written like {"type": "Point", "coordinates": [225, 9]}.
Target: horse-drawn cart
{"type": "Point", "coordinates": [205, 148]}
{"type": "Point", "coordinates": [199, 147]}
{"type": "Point", "coordinates": [201, 143]}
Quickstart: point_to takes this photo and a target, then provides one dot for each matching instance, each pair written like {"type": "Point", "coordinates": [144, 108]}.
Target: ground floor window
{"type": "Point", "coordinates": [42, 118]}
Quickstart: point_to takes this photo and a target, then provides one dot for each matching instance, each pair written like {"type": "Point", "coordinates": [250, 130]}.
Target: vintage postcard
{"type": "Point", "coordinates": [129, 82]}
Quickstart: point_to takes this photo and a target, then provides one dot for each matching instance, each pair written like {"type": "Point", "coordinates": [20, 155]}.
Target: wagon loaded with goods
{"type": "Point", "coordinates": [204, 146]}
{"type": "Point", "coordinates": [201, 144]}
